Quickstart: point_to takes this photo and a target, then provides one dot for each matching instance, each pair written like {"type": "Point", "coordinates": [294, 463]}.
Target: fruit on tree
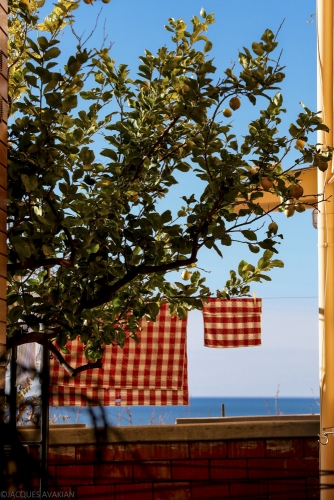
{"type": "Point", "coordinates": [289, 210]}
{"type": "Point", "coordinates": [267, 183]}
{"type": "Point", "coordinates": [186, 275]}
{"type": "Point", "coordinates": [188, 146]}
{"type": "Point", "coordinates": [235, 103]}
{"type": "Point", "coordinates": [133, 197]}
{"type": "Point", "coordinates": [322, 165]}
{"type": "Point", "coordinates": [227, 112]}
{"type": "Point", "coordinates": [273, 227]}
{"type": "Point", "coordinates": [300, 207]}
{"type": "Point", "coordinates": [300, 144]}
{"type": "Point", "coordinates": [145, 86]}
{"type": "Point", "coordinates": [296, 191]}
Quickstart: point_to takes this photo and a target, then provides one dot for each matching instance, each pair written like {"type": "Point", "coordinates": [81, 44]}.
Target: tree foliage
{"type": "Point", "coordinates": [90, 246]}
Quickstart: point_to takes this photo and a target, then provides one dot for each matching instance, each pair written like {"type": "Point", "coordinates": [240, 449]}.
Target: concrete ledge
{"type": "Point", "coordinates": [258, 418]}
{"type": "Point", "coordinates": [225, 429]}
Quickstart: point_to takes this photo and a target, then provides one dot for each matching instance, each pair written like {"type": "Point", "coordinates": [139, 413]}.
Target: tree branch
{"type": "Point", "coordinates": [39, 338]}
{"type": "Point", "coordinates": [107, 292]}
{"type": "Point", "coordinates": [35, 264]}
{"type": "Point", "coordinates": [155, 145]}
{"type": "Point", "coordinates": [72, 371]}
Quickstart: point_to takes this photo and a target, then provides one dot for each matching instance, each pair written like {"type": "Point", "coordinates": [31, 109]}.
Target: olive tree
{"type": "Point", "coordinates": [94, 233]}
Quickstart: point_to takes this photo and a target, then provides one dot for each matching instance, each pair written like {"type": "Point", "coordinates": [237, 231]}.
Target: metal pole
{"type": "Point", "coordinates": [45, 419]}
{"type": "Point", "coordinates": [13, 393]}
{"type": "Point", "coordinates": [326, 246]}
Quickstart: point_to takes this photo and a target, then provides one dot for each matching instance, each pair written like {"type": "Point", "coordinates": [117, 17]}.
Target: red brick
{"type": "Point", "coordinates": [155, 471]}
{"type": "Point", "coordinates": [284, 448]}
{"type": "Point", "coordinates": [52, 480]}
{"type": "Point", "coordinates": [75, 474]}
{"type": "Point", "coordinates": [311, 448]}
{"type": "Point", "coordinates": [94, 454]}
{"type": "Point", "coordinates": [3, 18]}
{"type": "Point", "coordinates": [60, 490]}
{"type": "Point", "coordinates": [313, 487]}
{"type": "Point", "coordinates": [209, 491]}
{"type": "Point", "coordinates": [35, 478]}
{"type": "Point", "coordinates": [34, 452]}
{"type": "Point", "coordinates": [208, 449]}
{"type": "Point", "coordinates": [3, 42]}
{"type": "Point", "coordinates": [190, 470]}
{"type": "Point", "coordinates": [120, 472]}
{"type": "Point", "coordinates": [228, 469]}
{"type": "Point", "coordinates": [172, 491]}
{"type": "Point", "coordinates": [246, 448]}
{"type": "Point", "coordinates": [3, 129]}
{"type": "Point", "coordinates": [138, 451]}
{"type": "Point", "coordinates": [261, 468]}
{"type": "Point", "coordinates": [3, 194]}
{"type": "Point", "coordinates": [4, 5]}
{"type": "Point", "coordinates": [94, 492]}
{"type": "Point", "coordinates": [61, 454]}
{"type": "Point", "coordinates": [142, 491]}
{"type": "Point", "coordinates": [286, 489]}
{"type": "Point", "coordinates": [169, 451]}
{"type": "Point", "coordinates": [3, 177]}
{"type": "Point", "coordinates": [248, 491]}
{"type": "Point", "coordinates": [3, 87]}
{"type": "Point", "coordinates": [302, 467]}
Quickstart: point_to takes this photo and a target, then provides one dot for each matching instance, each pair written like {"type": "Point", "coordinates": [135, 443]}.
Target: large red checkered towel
{"type": "Point", "coordinates": [154, 372]}
{"type": "Point", "coordinates": [232, 323]}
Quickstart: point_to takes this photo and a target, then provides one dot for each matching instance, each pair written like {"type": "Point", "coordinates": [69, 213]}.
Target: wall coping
{"type": "Point", "coordinates": [271, 427]}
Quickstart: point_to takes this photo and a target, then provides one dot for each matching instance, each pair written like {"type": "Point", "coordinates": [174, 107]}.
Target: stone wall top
{"type": "Point", "coordinates": [224, 429]}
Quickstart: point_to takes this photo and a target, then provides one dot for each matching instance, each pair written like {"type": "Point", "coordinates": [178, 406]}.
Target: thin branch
{"type": "Point", "coordinates": [107, 292]}
{"type": "Point", "coordinates": [154, 146]}
{"type": "Point", "coordinates": [35, 264]}
{"type": "Point", "coordinates": [72, 371]}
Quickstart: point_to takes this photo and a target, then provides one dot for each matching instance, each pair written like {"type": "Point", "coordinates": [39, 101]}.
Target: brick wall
{"type": "Point", "coordinates": [216, 465]}
{"type": "Point", "coordinates": [3, 188]}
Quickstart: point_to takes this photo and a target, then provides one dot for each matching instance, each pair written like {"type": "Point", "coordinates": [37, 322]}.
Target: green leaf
{"type": "Point", "coordinates": [253, 248]}
{"type": "Point", "coordinates": [22, 248]}
{"type": "Point", "coordinates": [43, 42]}
{"type": "Point", "coordinates": [87, 155]}
{"type": "Point", "coordinates": [93, 248]}
{"type": "Point", "coordinates": [250, 235]}
{"type": "Point", "coordinates": [51, 53]}
{"type": "Point", "coordinates": [47, 250]}
{"type": "Point", "coordinates": [30, 183]}
{"type": "Point", "coordinates": [74, 68]}
{"type": "Point", "coordinates": [69, 103]}
{"type": "Point", "coordinates": [109, 153]}
{"type": "Point", "coordinates": [33, 45]}
{"type": "Point", "coordinates": [166, 217]}
{"type": "Point", "coordinates": [294, 131]}
{"type": "Point", "coordinates": [15, 313]}
{"type": "Point", "coordinates": [54, 99]}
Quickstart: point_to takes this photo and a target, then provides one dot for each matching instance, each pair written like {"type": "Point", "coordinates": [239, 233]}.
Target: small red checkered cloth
{"type": "Point", "coordinates": [232, 323]}
{"type": "Point", "coordinates": [153, 372]}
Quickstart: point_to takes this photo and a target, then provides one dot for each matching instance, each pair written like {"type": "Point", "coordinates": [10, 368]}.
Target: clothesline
{"type": "Point", "coordinates": [305, 297]}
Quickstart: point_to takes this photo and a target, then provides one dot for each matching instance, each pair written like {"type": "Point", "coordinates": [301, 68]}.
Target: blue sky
{"type": "Point", "coordinates": [289, 354]}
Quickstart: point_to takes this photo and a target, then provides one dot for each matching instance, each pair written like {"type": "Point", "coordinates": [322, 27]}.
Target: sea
{"type": "Point", "coordinates": [198, 407]}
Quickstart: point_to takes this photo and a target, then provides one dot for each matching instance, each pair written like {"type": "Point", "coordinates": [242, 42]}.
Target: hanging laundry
{"type": "Point", "coordinates": [232, 323]}
{"type": "Point", "coordinates": [26, 364]}
{"type": "Point", "coordinates": [153, 372]}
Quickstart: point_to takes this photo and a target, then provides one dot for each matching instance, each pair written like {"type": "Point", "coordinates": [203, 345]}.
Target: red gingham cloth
{"type": "Point", "coordinates": [232, 323]}
{"type": "Point", "coordinates": [154, 372]}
